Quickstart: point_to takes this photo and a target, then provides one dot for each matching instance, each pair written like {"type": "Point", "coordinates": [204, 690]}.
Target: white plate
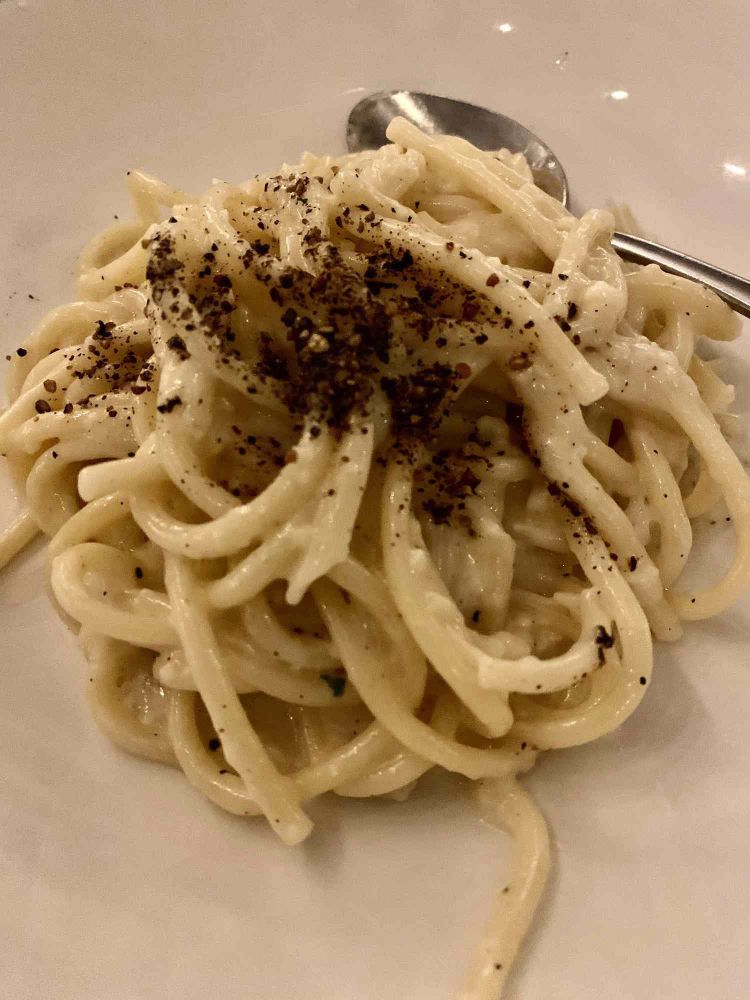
{"type": "Point", "coordinates": [118, 881]}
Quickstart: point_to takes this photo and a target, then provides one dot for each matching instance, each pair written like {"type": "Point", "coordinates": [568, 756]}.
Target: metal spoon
{"type": "Point", "coordinates": [368, 120]}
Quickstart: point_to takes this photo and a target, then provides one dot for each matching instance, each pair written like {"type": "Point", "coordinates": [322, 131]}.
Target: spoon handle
{"type": "Point", "coordinates": [733, 289]}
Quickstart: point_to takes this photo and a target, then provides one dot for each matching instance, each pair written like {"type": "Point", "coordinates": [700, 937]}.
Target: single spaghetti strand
{"type": "Point", "coordinates": [504, 803]}
{"type": "Point", "coordinates": [17, 536]}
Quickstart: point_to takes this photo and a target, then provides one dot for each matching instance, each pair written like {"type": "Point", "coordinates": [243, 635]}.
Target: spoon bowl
{"type": "Point", "coordinates": [368, 120]}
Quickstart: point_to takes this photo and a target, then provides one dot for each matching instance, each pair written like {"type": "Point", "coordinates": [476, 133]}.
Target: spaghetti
{"type": "Point", "coordinates": [382, 463]}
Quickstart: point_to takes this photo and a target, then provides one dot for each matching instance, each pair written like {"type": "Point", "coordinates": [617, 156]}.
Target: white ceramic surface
{"type": "Point", "coordinates": [118, 881]}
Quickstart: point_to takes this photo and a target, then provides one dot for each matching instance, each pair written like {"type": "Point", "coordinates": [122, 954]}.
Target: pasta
{"type": "Point", "coordinates": [382, 463]}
